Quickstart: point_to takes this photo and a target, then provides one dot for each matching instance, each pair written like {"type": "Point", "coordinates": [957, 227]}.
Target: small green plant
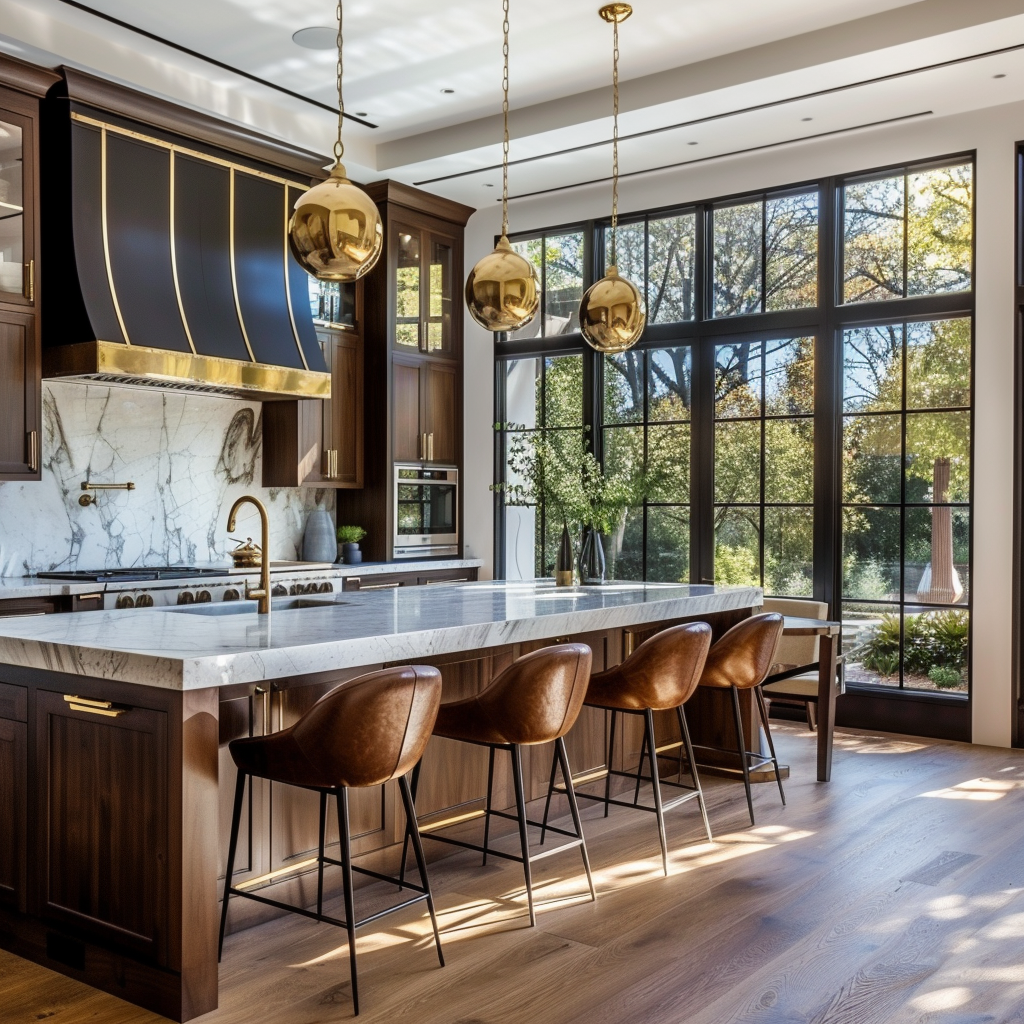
{"type": "Point", "coordinates": [944, 677]}
{"type": "Point", "coordinates": [350, 534]}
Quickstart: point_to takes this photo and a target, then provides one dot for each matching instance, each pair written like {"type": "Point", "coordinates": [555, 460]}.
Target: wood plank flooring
{"type": "Point", "coordinates": [891, 894]}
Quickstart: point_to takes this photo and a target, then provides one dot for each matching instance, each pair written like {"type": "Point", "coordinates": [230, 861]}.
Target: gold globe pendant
{"type": "Point", "coordinates": [502, 290]}
{"type": "Point", "coordinates": [335, 231]}
{"type": "Point", "coordinates": [612, 316]}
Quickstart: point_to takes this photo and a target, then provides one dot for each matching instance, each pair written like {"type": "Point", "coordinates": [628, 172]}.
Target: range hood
{"type": "Point", "coordinates": [167, 262]}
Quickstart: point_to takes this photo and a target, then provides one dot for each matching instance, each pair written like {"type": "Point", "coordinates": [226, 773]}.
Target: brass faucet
{"type": "Point", "coordinates": [262, 595]}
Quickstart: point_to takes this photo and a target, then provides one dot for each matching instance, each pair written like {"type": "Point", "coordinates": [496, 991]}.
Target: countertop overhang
{"type": "Point", "coordinates": [192, 651]}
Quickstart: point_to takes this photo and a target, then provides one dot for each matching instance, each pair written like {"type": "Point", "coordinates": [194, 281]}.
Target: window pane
{"type": "Point", "coordinates": [936, 555]}
{"type": "Point", "coordinates": [624, 387]}
{"type": "Point", "coordinates": [518, 445]}
{"type": "Point", "coordinates": [669, 378]}
{"type": "Point", "coordinates": [563, 391]}
{"type": "Point", "coordinates": [789, 460]}
{"type": "Point", "coordinates": [871, 554]}
{"type": "Point", "coordinates": [563, 283]}
{"type": "Point", "coordinates": [737, 546]}
{"type": "Point", "coordinates": [873, 240]}
{"type": "Point", "coordinates": [791, 251]}
{"type": "Point", "coordinates": [521, 542]}
{"type": "Point", "coordinates": [672, 250]}
{"type": "Point", "coordinates": [939, 364]}
{"type": "Point", "coordinates": [624, 547]}
{"type": "Point", "coordinates": [668, 545]}
{"type": "Point", "coordinates": [668, 462]}
{"type": "Point", "coordinates": [873, 368]}
{"type": "Point", "coordinates": [789, 551]}
{"type": "Point", "coordinates": [938, 460]}
{"type": "Point", "coordinates": [737, 262]}
{"type": "Point", "coordinates": [939, 230]}
{"type": "Point", "coordinates": [623, 452]}
{"type": "Point", "coordinates": [789, 376]}
{"type": "Point", "coordinates": [738, 379]}
{"type": "Point", "coordinates": [738, 462]}
{"type": "Point", "coordinates": [871, 643]}
{"type": "Point", "coordinates": [871, 459]}
{"type": "Point", "coordinates": [935, 649]}
{"type": "Point", "coordinates": [533, 250]}
{"type": "Point", "coordinates": [522, 392]}
{"type": "Point", "coordinates": [630, 258]}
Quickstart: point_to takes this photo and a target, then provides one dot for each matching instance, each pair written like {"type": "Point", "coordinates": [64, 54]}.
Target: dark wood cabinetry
{"type": "Point", "coordinates": [13, 795]}
{"type": "Point", "coordinates": [21, 85]}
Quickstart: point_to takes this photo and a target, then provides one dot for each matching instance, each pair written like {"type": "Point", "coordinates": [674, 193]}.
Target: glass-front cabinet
{"type": "Point", "coordinates": [16, 257]}
{"type": "Point", "coordinates": [423, 286]}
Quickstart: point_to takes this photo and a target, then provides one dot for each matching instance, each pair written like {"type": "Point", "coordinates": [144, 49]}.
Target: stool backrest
{"type": "Point", "coordinates": [664, 670]}
{"type": "Point", "coordinates": [745, 655]}
{"type": "Point", "coordinates": [539, 696]}
{"type": "Point", "coordinates": [372, 729]}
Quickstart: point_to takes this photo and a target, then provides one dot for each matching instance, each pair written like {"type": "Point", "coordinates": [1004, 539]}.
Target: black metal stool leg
{"type": "Point", "coordinates": [608, 777]}
{"type": "Point", "coordinates": [524, 837]}
{"type": "Point", "coordinates": [236, 818]}
{"type": "Point", "coordinates": [547, 802]}
{"type": "Point", "coordinates": [405, 841]}
{"type": "Point", "coordinates": [640, 768]}
{"type": "Point", "coordinates": [570, 792]}
{"type": "Point", "coordinates": [688, 746]}
{"type": "Point", "coordinates": [350, 910]}
{"type": "Point", "coordinates": [741, 745]}
{"type": "Point", "coordinates": [320, 864]}
{"type": "Point", "coordinates": [421, 863]}
{"type": "Point", "coordinates": [487, 812]}
{"type": "Point", "coordinates": [763, 708]}
{"type": "Point", "coordinates": [652, 748]}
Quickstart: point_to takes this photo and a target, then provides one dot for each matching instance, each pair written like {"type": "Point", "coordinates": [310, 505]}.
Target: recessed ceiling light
{"type": "Point", "coordinates": [487, 184]}
{"type": "Point", "coordinates": [691, 143]}
{"type": "Point", "coordinates": [999, 76]}
{"type": "Point", "coordinates": [447, 92]}
{"type": "Point", "coordinates": [317, 37]}
{"type": "Point", "coordinates": [806, 118]}
{"type": "Point", "coordinates": [360, 113]}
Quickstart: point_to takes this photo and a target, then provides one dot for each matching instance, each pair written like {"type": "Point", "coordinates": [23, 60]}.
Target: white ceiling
{"type": "Point", "coordinates": [683, 61]}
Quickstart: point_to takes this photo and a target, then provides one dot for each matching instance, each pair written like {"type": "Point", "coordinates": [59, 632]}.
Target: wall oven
{"type": "Point", "coordinates": [426, 512]}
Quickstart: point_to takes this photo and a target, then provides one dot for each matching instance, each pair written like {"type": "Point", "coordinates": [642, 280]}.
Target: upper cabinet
{"type": "Point", "coordinates": [21, 86]}
{"type": "Point", "coordinates": [422, 287]}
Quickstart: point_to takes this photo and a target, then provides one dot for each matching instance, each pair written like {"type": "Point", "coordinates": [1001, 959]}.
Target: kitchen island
{"type": "Point", "coordinates": [115, 772]}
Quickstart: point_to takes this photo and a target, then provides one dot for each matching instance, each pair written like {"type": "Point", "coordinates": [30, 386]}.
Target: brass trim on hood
{"type": "Point", "coordinates": [106, 236]}
{"type": "Point", "coordinates": [141, 366]}
{"type": "Point", "coordinates": [174, 258]}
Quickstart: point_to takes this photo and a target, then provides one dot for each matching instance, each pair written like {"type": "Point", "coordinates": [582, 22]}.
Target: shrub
{"type": "Point", "coordinates": [931, 641]}
{"type": "Point", "coordinates": [944, 677]}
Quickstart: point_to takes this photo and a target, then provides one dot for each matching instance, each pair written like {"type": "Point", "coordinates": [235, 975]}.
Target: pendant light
{"type": "Point", "coordinates": [612, 313]}
{"type": "Point", "coordinates": [335, 231]}
{"type": "Point", "coordinates": [502, 290]}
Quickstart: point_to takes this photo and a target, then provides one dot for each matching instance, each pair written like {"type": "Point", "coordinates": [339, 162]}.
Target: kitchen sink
{"type": "Point", "coordinates": [248, 607]}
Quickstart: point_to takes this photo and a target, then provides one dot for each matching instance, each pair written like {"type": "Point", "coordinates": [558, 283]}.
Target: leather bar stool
{"type": "Point", "coordinates": [660, 675]}
{"type": "Point", "coordinates": [741, 660]}
{"type": "Point", "coordinates": [364, 733]}
{"type": "Point", "coordinates": [535, 700]}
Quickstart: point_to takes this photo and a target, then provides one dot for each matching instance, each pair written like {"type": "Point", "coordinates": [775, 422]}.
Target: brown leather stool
{"type": "Point", "coordinates": [363, 733]}
{"type": "Point", "coordinates": [535, 700]}
{"type": "Point", "coordinates": [741, 660]}
{"type": "Point", "coordinates": [660, 675]}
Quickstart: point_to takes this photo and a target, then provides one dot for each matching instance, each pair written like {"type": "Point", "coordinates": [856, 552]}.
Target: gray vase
{"type": "Point", "coordinates": [319, 543]}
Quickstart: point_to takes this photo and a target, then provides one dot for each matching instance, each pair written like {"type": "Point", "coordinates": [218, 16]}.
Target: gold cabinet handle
{"type": "Point", "coordinates": [334, 463]}
{"type": "Point", "coordinates": [430, 447]}
{"type": "Point", "coordinates": [331, 463]}
{"type": "Point", "coordinates": [93, 707]}
{"type": "Point", "coordinates": [30, 281]}
{"type": "Point", "coordinates": [33, 451]}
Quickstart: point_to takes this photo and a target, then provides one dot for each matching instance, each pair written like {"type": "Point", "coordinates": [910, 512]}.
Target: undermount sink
{"type": "Point", "coordinates": [249, 607]}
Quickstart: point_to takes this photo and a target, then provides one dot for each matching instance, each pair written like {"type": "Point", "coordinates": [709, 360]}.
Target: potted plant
{"type": "Point", "coordinates": [348, 543]}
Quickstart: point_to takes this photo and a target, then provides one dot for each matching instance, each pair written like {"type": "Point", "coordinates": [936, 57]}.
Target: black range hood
{"type": "Point", "coordinates": [167, 256]}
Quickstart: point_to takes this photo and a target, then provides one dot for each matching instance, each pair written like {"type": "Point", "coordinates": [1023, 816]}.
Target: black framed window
{"type": "Point", "coordinates": [560, 259]}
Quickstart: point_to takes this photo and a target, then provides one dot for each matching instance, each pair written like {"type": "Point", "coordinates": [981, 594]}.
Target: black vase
{"type": "Point", "coordinates": [564, 560]}
{"type": "Point", "coordinates": [592, 564]}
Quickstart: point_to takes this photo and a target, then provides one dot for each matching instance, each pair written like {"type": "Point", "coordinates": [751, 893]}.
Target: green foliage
{"type": "Point", "coordinates": [864, 580]}
{"type": "Point", "coordinates": [931, 641]}
{"type": "Point", "coordinates": [944, 678]}
{"type": "Point", "coordinates": [736, 565]}
{"type": "Point", "coordinates": [350, 534]}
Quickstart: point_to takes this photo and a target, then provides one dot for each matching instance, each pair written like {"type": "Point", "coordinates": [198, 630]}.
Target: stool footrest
{"type": "Point", "coordinates": [492, 852]}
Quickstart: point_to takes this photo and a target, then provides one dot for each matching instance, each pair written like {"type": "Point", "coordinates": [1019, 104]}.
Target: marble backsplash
{"type": "Point", "coordinates": [189, 457]}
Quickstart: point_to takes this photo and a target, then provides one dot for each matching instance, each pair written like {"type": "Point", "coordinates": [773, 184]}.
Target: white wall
{"type": "Point", "coordinates": [992, 133]}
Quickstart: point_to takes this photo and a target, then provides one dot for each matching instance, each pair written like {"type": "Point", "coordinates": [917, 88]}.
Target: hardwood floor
{"type": "Point", "coordinates": [891, 894]}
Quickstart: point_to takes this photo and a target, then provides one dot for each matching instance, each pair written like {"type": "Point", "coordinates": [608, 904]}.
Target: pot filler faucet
{"type": "Point", "coordinates": [262, 595]}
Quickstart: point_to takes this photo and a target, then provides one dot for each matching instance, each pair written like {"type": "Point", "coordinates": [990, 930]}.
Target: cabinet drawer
{"type": "Point", "coordinates": [13, 702]}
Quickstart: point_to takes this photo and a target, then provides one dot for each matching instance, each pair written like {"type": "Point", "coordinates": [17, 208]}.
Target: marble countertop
{"type": "Point", "coordinates": [21, 587]}
{"type": "Point", "coordinates": [199, 649]}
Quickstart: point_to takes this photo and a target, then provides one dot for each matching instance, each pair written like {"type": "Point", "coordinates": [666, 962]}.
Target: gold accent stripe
{"type": "Point", "coordinates": [184, 150]}
{"type": "Point", "coordinates": [288, 286]}
{"type": "Point", "coordinates": [106, 239]}
{"type": "Point", "coordinates": [231, 260]}
{"type": "Point", "coordinates": [174, 262]}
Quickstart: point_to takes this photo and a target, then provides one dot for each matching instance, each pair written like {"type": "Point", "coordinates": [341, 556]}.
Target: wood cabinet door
{"type": "Point", "coordinates": [20, 385]}
{"type": "Point", "coordinates": [18, 180]}
{"type": "Point", "coordinates": [103, 825]}
{"type": "Point", "coordinates": [343, 414]}
{"type": "Point", "coordinates": [440, 411]}
{"type": "Point", "coordinates": [405, 387]}
{"type": "Point", "coordinates": [437, 335]}
{"type": "Point", "coordinates": [13, 826]}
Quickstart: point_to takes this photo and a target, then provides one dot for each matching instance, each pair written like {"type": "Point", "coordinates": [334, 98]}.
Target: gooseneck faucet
{"type": "Point", "coordinates": [262, 595]}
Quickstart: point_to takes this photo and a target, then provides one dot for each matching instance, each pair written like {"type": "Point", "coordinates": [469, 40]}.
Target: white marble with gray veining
{"type": "Point", "coordinates": [197, 650]}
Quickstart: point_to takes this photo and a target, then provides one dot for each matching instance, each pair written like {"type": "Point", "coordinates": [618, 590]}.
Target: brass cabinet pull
{"type": "Point", "coordinates": [430, 447]}
{"type": "Point", "coordinates": [382, 586]}
{"type": "Point", "coordinates": [331, 463]}
{"type": "Point", "coordinates": [30, 282]}
{"type": "Point", "coordinates": [33, 451]}
{"type": "Point", "coordinates": [93, 707]}
{"type": "Point", "coordinates": [334, 463]}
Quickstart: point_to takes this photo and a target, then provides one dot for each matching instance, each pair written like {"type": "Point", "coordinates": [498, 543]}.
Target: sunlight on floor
{"type": "Point", "coordinates": [941, 999]}
{"type": "Point", "coordinates": [977, 789]}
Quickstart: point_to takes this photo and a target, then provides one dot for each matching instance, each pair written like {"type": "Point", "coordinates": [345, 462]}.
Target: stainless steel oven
{"type": "Point", "coordinates": [426, 511]}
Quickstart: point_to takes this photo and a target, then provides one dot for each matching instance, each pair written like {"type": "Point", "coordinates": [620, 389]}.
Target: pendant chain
{"type": "Point", "coordinates": [615, 139]}
{"type": "Point", "coordinates": [504, 111]}
{"type": "Point", "coordinates": [339, 146]}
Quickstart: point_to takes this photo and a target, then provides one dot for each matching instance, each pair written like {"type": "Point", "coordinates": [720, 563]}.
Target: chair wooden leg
{"type": "Point", "coordinates": [608, 777]}
{"type": "Point", "coordinates": [741, 746]}
{"type": "Point", "coordinates": [652, 749]}
{"type": "Point", "coordinates": [421, 862]}
{"type": "Point", "coordinates": [320, 864]}
{"type": "Point", "coordinates": [350, 909]}
{"type": "Point", "coordinates": [547, 802]}
{"type": "Point", "coordinates": [570, 792]}
{"type": "Point", "coordinates": [524, 837]}
{"type": "Point", "coordinates": [763, 708]}
{"type": "Point", "coordinates": [236, 818]}
{"type": "Point", "coordinates": [812, 715]}
{"type": "Point", "coordinates": [688, 746]}
{"type": "Point", "coordinates": [487, 813]}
